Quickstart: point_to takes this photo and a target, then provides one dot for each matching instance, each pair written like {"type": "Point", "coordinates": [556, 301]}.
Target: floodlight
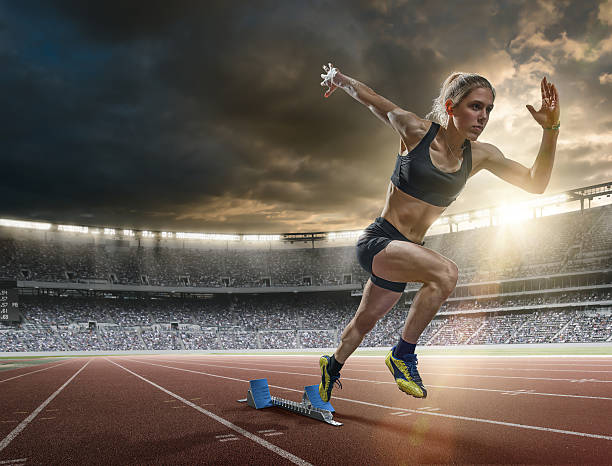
{"type": "Point", "coordinates": [20, 224]}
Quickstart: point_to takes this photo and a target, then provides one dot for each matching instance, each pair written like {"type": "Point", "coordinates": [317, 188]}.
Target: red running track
{"type": "Point", "coordinates": [182, 409]}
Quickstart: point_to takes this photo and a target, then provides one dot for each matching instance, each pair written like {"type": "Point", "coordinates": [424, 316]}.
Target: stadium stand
{"type": "Point", "coordinates": [554, 287]}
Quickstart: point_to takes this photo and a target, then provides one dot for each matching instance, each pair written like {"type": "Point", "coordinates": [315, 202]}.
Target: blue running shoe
{"type": "Point", "coordinates": [327, 380]}
{"type": "Point", "coordinates": [406, 375]}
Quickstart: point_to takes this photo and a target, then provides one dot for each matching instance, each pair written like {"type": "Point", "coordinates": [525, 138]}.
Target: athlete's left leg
{"type": "Point", "coordinates": [376, 302]}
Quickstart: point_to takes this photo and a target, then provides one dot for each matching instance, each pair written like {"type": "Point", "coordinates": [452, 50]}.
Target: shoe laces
{"type": "Point", "coordinates": [335, 380]}
{"type": "Point", "coordinates": [411, 366]}
{"type": "Point", "coordinates": [414, 373]}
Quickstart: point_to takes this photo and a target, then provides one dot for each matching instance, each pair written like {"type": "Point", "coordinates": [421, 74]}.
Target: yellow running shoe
{"type": "Point", "coordinates": [327, 380]}
{"type": "Point", "coordinates": [406, 375]}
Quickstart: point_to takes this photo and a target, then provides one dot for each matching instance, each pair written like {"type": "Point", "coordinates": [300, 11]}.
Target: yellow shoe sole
{"type": "Point", "coordinates": [407, 386]}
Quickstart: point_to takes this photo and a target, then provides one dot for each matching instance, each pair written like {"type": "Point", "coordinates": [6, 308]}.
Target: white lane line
{"type": "Point", "coordinates": [273, 433]}
{"type": "Point", "coordinates": [429, 373]}
{"type": "Point", "coordinates": [23, 424]}
{"type": "Point", "coordinates": [549, 364]}
{"type": "Point", "coordinates": [33, 372]}
{"type": "Point", "coordinates": [435, 367]}
{"type": "Point", "coordinates": [428, 413]}
{"type": "Point", "coordinates": [515, 377]}
{"type": "Point", "coordinates": [317, 355]}
{"type": "Point", "coordinates": [20, 460]}
{"type": "Point", "coordinates": [225, 436]}
{"type": "Point", "coordinates": [521, 392]}
{"type": "Point", "coordinates": [483, 365]}
{"type": "Point", "coordinates": [523, 369]}
{"type": "Point", "coordinates": [279, 451]}
{"type": "Point", "coordinates": [266, 430]}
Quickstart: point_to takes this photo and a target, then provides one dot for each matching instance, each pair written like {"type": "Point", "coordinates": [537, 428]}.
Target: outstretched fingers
{"type": "Point", "coordinates": [555, 94]}
{"type": "Point", "coordinates": [328, 79]}
{"type": "Point", "coordinates": [548, 93]}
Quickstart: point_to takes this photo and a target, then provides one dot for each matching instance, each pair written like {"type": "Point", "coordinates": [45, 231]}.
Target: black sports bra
{"type": "Point", "coordinates": [416, 175]}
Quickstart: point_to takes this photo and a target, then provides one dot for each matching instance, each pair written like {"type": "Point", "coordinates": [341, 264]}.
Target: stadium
{"type": "Point", "coordinates": [312, 233]}
{"type": "Point", "coordinates": [182, 309]}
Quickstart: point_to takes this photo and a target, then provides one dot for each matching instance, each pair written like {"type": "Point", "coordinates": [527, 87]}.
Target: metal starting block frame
{"type": "Point", "coordinates": [312, 405]}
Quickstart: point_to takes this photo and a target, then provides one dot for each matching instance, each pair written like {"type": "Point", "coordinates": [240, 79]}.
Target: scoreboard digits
{"type": "Point", "coordinates": [9, 301]}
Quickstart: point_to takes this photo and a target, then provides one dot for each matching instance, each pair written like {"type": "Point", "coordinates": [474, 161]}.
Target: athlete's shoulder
{"type": "Point", "coordinates": [405, 122]}
{"type": "Point", "coordinates": [409, 126]}
{"type": "Point", "coordinates": [485, 149]}
{"type": "Point", "coordinates": [484, 153]}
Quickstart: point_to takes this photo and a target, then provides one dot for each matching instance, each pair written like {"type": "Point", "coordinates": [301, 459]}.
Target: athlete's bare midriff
{"type": "Point", "coordinates": [411, 216]}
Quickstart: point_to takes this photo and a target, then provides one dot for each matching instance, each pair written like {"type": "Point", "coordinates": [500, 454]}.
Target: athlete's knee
{"type": "Point", "coordinates": [451, 276]}
{"type": "Point", "coordinates": [446, 280]}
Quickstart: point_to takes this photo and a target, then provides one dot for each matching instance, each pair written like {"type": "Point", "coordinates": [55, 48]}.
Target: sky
{"type": "Point", "coordinates": [209, 116]}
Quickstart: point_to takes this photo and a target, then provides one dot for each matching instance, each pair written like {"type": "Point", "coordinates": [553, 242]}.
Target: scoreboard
{"type": "Point", "coordinates": [9, 301]}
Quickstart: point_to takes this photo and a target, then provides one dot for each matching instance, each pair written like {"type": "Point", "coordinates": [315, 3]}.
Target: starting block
{"type": "Point", "coordinates": [312, 405]}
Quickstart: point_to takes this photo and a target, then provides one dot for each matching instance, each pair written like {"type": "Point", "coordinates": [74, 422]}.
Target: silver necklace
{"type": "Point", "coordinates": [450, 150]}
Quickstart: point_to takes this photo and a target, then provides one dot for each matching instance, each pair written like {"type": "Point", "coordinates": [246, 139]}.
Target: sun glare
{"type": "Point", "coordinates": [512, 214]}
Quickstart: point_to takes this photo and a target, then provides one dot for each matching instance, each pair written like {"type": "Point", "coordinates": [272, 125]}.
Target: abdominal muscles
{"type": "Point", "coordinates": [411, 216]}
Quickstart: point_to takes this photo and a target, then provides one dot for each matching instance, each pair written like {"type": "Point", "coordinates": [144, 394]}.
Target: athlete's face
{"type": "Point", "coordinates": [472, 114]}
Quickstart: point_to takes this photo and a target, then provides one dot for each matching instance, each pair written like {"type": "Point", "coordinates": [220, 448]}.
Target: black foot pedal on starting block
{"type": "Point", "coordinates": [312, 405]}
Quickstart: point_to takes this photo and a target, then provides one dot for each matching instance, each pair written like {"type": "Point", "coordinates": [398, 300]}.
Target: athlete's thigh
{"type": "Point", "coordinates": [402, 261]}
{"type": "Point", "coordinates": [376, 301]}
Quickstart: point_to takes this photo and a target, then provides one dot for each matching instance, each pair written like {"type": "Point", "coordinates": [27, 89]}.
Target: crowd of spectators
{"type": "Point", "coordinates": [294, 321]}
{"type": "Point", "coordinates": [120, 339]}
{"type": "Point", "coordinates": [317, 338]}
{"type": "Point", "coordinates": [161, 340]}
{"type": "Point", "coordinates": [283, 339]}
{"type": "Point", "coordinates": [532, 299]}
{"type": "Point", "coordinates": [557, 243]}
{"type": "Point", "coordinates": [586, 326]}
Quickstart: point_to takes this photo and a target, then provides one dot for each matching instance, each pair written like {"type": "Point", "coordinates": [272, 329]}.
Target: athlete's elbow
{"type": "Point", "coordinates": [536, 183]}
{"type": "Point", "coordinates": [537, 188]}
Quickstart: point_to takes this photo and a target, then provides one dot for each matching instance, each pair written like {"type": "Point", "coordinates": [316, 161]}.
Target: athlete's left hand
{"type": "Point", "coordinates": [549, 114]}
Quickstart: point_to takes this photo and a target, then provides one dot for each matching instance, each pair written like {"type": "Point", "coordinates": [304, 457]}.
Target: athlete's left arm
{"type": "Point", "coordinates": [536, 178]}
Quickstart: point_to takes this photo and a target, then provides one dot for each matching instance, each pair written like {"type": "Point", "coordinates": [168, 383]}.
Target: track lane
{"type": "Point", "coordinates": [22, 395]}
{"type": "Point", "coordinates": [16, 373]}
{"type": "Point", "coordinates": [590, 385]}
{"type": "Point", "coordinates": [466, 434]}
{"type": "Point", "coordinates": [109, 416]}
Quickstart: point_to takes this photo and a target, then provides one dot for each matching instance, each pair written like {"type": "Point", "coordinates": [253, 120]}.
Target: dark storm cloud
{"type": "Point", "coordinates": [208, 115]}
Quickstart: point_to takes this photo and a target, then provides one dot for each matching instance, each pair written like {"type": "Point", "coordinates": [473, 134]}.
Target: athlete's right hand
{"type": "Point", "coordinates": [329, 79]}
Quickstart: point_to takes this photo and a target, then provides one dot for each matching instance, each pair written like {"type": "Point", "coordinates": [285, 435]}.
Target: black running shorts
{"type": "Point", "coordinates": [373, 240]}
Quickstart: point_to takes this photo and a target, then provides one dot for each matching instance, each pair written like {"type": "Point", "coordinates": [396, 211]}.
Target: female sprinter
{"type": "Point", "coordinates": [435, 160]}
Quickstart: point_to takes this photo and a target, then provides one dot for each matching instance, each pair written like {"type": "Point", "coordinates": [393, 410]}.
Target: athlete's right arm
{"type": "Point", "coordinates": [402, 121]}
